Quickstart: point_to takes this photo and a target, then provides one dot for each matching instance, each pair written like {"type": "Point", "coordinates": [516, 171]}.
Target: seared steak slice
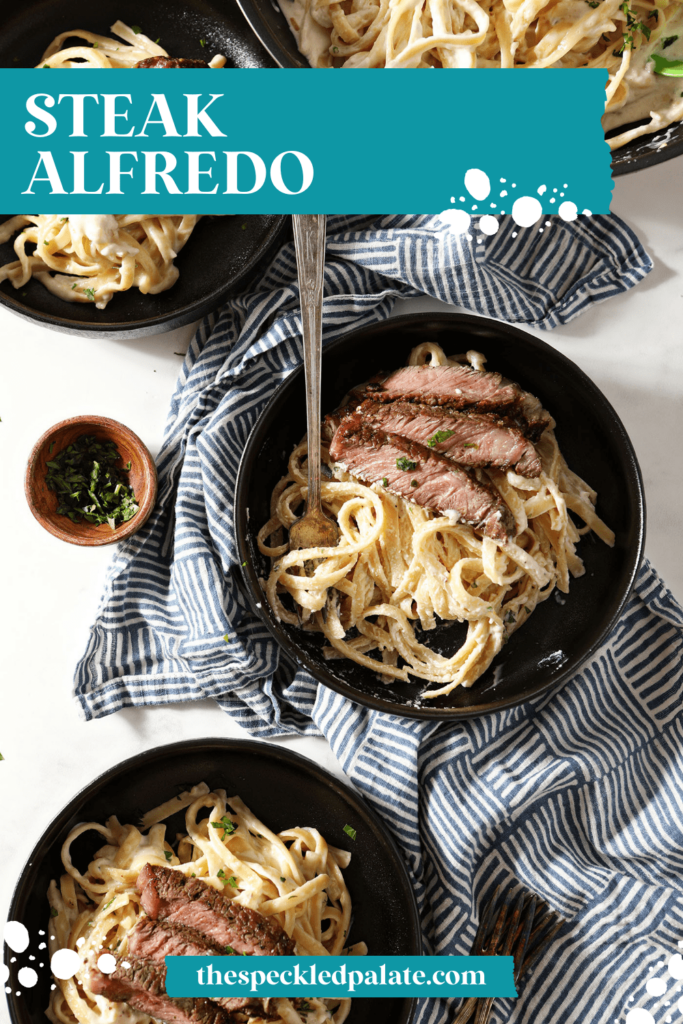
{"type": "Point", "coordinates": [158, 939]}
{"type": "Point", "coordinates": [170, 62]}
{"type": "Point", "coordinates": [459, 387]}
{"type": "Point", "coordinates": [168, 895]}
{"type": "Point", "coordinates": [142, 984]}
{"type": "Point", "coordinates": [419, 474]}
{"type": "Point", "coordinates": [474, 439]}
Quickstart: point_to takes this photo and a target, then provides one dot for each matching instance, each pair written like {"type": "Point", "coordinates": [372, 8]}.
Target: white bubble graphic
{"type": "Point", "coordinates": [107, 963]}
{"type": "Point", "coordinates": [586, 213]}
{"type": "Point", "coordinates": [675, 966]}
{"type": "Point", "coordinates": [65, 963]}
{"type": "Point", "coordinates": [4, 973]}
{"type": "Point", "coordinates": [568, 211]}
{"type": "Point", "coordinates": [525, 211]}
{"type": "Point", "coordinates": [488, 224]}
{"type": "Point", "coordinates": [27, 977]}
{"type": "Point", "coordinates": [542, 189]}
{"type": "Point", "coordinates": [503, 193]}
{"type": "Point", "coordinates": [656, 987]}
{"type": "Point", "coordinates": [477, 183]}
{"type": "Point", "coordinates": [457, 220]}
{"type": "Point", "coordinates": [639, 1016]}
{"type": "Point", "coordinates": [16, 936]}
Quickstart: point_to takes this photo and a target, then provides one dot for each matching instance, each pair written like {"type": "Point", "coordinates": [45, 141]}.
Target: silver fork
{"type": "Point", "coordinates": [520, 926]}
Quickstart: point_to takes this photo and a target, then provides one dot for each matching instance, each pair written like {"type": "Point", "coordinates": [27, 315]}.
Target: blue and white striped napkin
{"type": "Point", "coordinates": [579, 794]}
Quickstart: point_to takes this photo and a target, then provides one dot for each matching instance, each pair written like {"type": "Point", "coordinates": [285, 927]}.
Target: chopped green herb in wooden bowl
{"type": "Point", "coordinates": [90, 481]}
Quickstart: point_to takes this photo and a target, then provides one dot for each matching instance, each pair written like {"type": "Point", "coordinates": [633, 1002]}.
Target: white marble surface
{"type": "Point", "coordinates": [631, 346]}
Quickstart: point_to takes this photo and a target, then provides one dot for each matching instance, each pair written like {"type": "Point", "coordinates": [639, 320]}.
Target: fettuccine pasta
{"type": "Point", "coordinates": [294, 876]}
{"type": "Point", "coordinates": [398, 565]}
{"type": "Point", "coordinates": [88, 258]}
{"type": "Point", "coordinates": [618, 35]}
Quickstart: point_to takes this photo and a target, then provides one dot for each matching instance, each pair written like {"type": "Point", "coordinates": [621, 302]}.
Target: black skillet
{"type": "Point", "coordinates": [561, 634]}
{"type": "Point", "coordinates": [283, 789]}
{"type": "Point", "coordinates": [222, 255]}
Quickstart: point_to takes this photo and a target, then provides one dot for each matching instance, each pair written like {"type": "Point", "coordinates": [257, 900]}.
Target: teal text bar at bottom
{"type": "Point", "coordinates": [339, 976]}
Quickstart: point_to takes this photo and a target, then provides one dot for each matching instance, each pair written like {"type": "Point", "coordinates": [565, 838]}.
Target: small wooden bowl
{"type": "Point", "coordinates": [43, 502]}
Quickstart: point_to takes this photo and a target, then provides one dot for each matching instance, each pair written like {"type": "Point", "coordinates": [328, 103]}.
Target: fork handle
{"type": "Point", "coordinates": [309, 242]}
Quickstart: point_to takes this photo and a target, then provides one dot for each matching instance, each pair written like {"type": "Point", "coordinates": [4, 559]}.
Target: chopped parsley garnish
{"type": "Point", "coordinates": [231, 951]}
{"type": "Point", "coordinates": [475, 585]}
{"type": "Point", "coordinates": [107, 905]}
{"type": "Point", "coordinates": [74, 286]}
{"type": "Point", "coordinates": [470, 444]}
{"type": "Point", "coordinates": [89, 485]}
{"type": "Point", "coordinates": [168, 855]}
{"type": "Point", "coordinates": [228, 826]}
{"type": "Point", "coordinates": [351, 832]}
{"type": "Point", "coordinates": [243, 564]}
{"type": "Point", "coordinates": [439, 437]}
{"type": "Point", "coordinates": [47, 66]}
{"type": "Point", "coordinates": [593, 3]}
{"type": "Point", "coordinates": [509, 617]}
{"type": "Point", "coordinates": [632, 26]}
{"type": "Point", "coordinates": [282, 879]}
{"type": "Point", "coordinates": [54, 912]}
{"type": "Point", "coordinates": [413, 483]}
{"type": "Point", "coordinates": [52, 445]}
{"type": "Point", "coordinates": [136, 29]}
{"type": "Point", "coordinates": [405, 464]}
{"type": "Point", "coordinates": [335, 49]}
{"type": "Point", "coordinates": [202, 43]}
{"type": "Point", "coordinates": [96, 46]}
{"type": "Point", "coordinates": [227, 881]}
{"type": "Point", "coordinates": [90, 292]}
{"type": "Point", "coordinates": [668, 41]}
{"type": "Point", "coordinates": [226, 638]}
{"type": "Point", "coordinates": [385, 482]}
{"type": "Point", "coordinates": [668, 68]}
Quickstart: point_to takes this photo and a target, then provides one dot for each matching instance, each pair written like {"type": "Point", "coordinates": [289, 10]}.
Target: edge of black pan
{"type": "Point", "coordinates": [221, 257]}
{"type": "Point", "coordinates": [558, 638]}
{"type": "Point", "coordinates": [272, 29]}
{"type": "Point", "coordinates": [254, 766]}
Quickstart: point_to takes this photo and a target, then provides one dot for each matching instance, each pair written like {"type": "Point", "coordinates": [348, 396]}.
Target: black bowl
{"type": "Point", "coordinates": [281, 787]}
{"type": "Point", "coordinates": [221, 256]}
{"type": "Point", "coordinates": [558, 637]}
{"type": "Point", "coordinates": [271, 27]}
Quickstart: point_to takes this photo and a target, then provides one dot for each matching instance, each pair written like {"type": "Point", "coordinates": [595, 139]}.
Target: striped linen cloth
{"type": "Point", "coordinates": [577, 795]}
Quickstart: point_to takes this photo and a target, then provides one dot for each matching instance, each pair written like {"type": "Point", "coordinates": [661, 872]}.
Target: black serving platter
{"type": "Point", "coordinates": [561, 634]}
{"type": "Point", "coordinates": [221, 256]}
{"type": "Point", "coordinates": [283, 789]}
{"type": "Point", "coordinates": [271, 27]}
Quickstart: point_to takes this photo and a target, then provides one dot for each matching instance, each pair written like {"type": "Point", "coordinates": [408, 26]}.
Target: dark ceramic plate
{"type": "Point", "coordinates": [220, 256]}
{"type": "Point", "coordinates": [284, 789]}
{"type": "Point", "coordinates": [558, 638]}
{"type": "Point", "coordinates": [271, 27]}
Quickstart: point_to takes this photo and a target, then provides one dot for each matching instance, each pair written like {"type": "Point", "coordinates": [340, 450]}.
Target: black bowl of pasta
{"type": "Point", "coordinates": [536, 647]}
{"type": "Point", "coordinates": [216, 255]}
{"type": "Point", "coordinates": [330, 41]}
{"type": "Point", "coordinates": [274, 786]}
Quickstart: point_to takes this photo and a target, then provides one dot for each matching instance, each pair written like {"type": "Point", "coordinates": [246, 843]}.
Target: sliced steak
{"type": "Point", "coordinates": [459, 387]}
{"type": "Point", "coordinates": [170, 62]}
{"type": "Point", "coordinates": [473, 439]}
{"type": "Point", "coordinates": [427, 478]}
{"type": "Point", "coordinates": [142, 984]}
{"type": "Point", "coordinates": [168, 895]}
{"type": "Point", "coordinates": [158, 939]}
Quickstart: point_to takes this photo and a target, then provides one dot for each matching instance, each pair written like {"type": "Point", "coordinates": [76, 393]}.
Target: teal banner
{"type": "Point", "coordinates": [340, 976]}
{"type": "Point", "coordinates": [225, 141]}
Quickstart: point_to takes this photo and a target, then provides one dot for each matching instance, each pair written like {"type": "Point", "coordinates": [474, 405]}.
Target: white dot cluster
{"type": "Point", "coordinates": [526, 210]}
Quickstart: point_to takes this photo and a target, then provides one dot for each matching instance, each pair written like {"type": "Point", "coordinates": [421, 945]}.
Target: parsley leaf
{"type": "Point", "coordinates": [168, 855]}
{"type": "Point", "coordinates": [351, 832]}
{"type": "Point", "coordinates": [439, 437]}
{"type": "Point", "coordinates": [405, 464]}
{"type": "Point", "coordinates": [226, 824]}
{"type": "Point", "coordinates": [668, 41]}
{"type": "Point", "coordinates": [89, 484]}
